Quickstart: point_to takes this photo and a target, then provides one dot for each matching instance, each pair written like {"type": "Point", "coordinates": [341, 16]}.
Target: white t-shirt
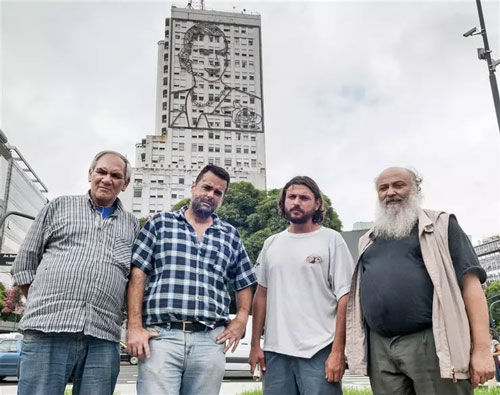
{"type": "Point", "coordinates": [305, 275]}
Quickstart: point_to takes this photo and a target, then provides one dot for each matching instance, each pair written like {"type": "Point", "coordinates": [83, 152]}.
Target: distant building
{"type": "Point", "coordinates": [209, 107]}
{"type": "Point", "coordinates": [488, 253]}
{"type": "Point", "coordinates": [351, 237]}
{"type": "Point", "coordinates": [21, 191]}
{"type": "Point", "coordinates": [362, 225]}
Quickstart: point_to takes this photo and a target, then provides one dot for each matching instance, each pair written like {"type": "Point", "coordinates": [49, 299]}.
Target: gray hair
{"type": "Point", "coordinates": [128, 167]}
{"type": "Point", "coordinates": [415, 177]}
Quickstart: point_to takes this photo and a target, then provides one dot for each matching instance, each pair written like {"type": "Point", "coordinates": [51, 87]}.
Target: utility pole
{"type": "Point", "coordinates": [485, 54]}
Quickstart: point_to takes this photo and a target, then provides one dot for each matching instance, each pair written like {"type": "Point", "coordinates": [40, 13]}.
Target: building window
{"type": "Point", "coordinates": [227, 124]}
{"type": "Point", "coordinates": [227, 148]}
{"type": "Point", "coordinates": [137, 192]}
{"type": "Point", "coordinates": [227, 162]}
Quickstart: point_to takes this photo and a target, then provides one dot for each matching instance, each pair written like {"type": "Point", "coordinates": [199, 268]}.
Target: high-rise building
{"type": "Point", "coordinates": [209, 107]}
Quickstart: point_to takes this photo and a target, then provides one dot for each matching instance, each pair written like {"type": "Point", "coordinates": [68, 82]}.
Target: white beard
{"type": "Point", "coordinates": [396, 221]}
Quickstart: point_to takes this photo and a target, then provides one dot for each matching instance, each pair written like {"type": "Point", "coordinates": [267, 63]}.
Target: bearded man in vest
{"type": "Point", "coordinates": [417, 318]}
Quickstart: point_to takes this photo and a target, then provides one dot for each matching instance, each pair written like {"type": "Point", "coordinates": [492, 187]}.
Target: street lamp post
{"type": "Point", "coordinates": [485, 54]}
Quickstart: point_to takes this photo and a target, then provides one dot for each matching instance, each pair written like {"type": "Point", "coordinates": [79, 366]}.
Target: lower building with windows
{"type": "Point", "coordinates": [488, 253]}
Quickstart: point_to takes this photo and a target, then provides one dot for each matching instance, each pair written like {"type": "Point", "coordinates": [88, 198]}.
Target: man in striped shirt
{"type": "Point", "coordinates": [73, 269]}
{"type": "Point", "coordinates": [178, 297]}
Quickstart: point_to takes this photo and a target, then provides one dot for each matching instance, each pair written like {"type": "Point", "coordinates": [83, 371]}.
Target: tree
{"type": "Point", "coordinates": [181, 203]}
{"type": "Point", "coordinates": [492, 293]}
{"type": "Point", "coordinates": [254, 213]}
{"type": "Point", "coordinates": [143, 220]}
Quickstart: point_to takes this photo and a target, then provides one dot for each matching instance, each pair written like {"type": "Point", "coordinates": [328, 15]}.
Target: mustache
{"type": "Point", "coordinates": [393, 199]}
{"type": "Point", "coordinates": [297, 208]}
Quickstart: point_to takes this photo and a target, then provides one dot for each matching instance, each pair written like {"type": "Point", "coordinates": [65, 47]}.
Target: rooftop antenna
{"type": "Point", "coordinates": [196, 4]}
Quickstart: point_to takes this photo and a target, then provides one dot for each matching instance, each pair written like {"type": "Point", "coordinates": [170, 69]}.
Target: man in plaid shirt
{"type": "Point", "coordinates": [178, 298]}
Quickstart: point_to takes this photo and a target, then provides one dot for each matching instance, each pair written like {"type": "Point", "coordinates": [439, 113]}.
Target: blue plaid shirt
{"type": "Point", "coordinates": [187, 280]}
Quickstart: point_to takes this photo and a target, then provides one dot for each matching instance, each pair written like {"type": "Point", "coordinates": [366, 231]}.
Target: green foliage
{"type": "Point", "coordinates": [143, 220]}
{"type": "Point", "coordinates": [487, 390]}
{"type": "Point", "coordinates": [491, 292]}
{"type": "Point", "coordinates": [345, 390]}
{"type": "Point", "coordinates": [254, 213]}
{"type": "Point", "coordinates": [181, 203]}
{"type": "Point", "coordinates": [2, 295]}
{"type": "Point", "coordinates": [354, 391]}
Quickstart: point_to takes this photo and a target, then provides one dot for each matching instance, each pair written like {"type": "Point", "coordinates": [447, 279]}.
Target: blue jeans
{"type": "Point", "coordinates": [293, 375]}
{"type": "Point", "coordinates": [182, 363]}
{"type": "Point", "coordinates": [48, 360]}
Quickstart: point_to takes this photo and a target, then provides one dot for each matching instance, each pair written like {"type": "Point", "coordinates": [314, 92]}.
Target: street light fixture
{"type": "Point", "coordinates": [485, 54]}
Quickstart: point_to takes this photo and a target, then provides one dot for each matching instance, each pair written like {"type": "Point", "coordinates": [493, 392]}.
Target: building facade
{"type": "Point", "coordinates": [488, 253]}
{"type": "Point", "coordinates": [209, 107]}
{"type": "Point", "coordinates": [21, 191]}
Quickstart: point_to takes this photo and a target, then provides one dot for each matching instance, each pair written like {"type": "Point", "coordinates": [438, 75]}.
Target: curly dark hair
{"type": "Point", "coordinates": [308, 182]}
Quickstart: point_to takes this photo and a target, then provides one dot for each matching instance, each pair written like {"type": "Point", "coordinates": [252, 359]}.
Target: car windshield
{"type": "Point", "coordinates": [8, 346]}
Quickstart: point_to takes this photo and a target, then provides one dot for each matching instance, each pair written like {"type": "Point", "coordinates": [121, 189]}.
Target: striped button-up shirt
{"type": "Point", "coordinates": [77, 265]}
{"type": "Point", "coordinates": [187, 280]}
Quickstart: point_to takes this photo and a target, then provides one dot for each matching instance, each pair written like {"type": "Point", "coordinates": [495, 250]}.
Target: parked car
{"type": "Point", "coordinates": [237, 362]}
{"type": "Point", "coordinates": [125, 356]}
{"type": "Point", "coordinates": [10, 350]}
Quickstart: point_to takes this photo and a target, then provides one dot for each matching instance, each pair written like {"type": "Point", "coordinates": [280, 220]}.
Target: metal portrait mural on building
{"type": "Point", "coordinates": [215, 81]}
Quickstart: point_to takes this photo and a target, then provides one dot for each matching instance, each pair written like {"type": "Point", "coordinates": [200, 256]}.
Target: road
{"type": "Point", "coordinates": [230, 386]}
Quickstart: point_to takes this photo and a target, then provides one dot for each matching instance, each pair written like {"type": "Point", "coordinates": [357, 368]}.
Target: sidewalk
{"type": "Point", "coordinates": [129, 389]}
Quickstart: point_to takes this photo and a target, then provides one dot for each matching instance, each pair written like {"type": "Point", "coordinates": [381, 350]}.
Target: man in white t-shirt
{"type": "Point", "coordinates": [304, 274]}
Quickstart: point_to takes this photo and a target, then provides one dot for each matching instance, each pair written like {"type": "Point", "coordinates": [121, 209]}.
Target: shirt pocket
{"type": "Point", "coordinates": [219, 257]}
{"type": "Point", "coordinates": [122, 255]}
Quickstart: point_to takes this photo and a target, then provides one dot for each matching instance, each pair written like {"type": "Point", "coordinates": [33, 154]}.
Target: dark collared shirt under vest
{"type": "Point", "coordinates": [77, 265]}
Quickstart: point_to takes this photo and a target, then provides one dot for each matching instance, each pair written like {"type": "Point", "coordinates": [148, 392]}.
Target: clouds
{"type": "Point", "coordinates": [349, 88]}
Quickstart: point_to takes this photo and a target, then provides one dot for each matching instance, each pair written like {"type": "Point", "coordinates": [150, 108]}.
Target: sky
{"type": "Point", "coordinates": [350, 88]}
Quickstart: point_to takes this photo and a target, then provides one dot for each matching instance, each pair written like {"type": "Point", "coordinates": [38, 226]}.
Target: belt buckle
{"type": "Point", "coordinates": [184, 326]}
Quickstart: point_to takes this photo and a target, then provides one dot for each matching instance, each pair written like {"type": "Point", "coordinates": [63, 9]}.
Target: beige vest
{"type": "Point", "coordinates": [450, 324]}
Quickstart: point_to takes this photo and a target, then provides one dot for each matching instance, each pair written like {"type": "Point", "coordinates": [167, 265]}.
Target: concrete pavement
{"type": "Point", "coordinates": [229, 387]}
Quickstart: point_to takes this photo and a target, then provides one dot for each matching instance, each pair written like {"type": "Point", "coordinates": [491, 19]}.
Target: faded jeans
{"type": "Point", "coordinates": [293, 375]}
{"type": "Point", "coordinates": [182, 363]}
{"type": "Point", "coordinates": [48, 360]}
